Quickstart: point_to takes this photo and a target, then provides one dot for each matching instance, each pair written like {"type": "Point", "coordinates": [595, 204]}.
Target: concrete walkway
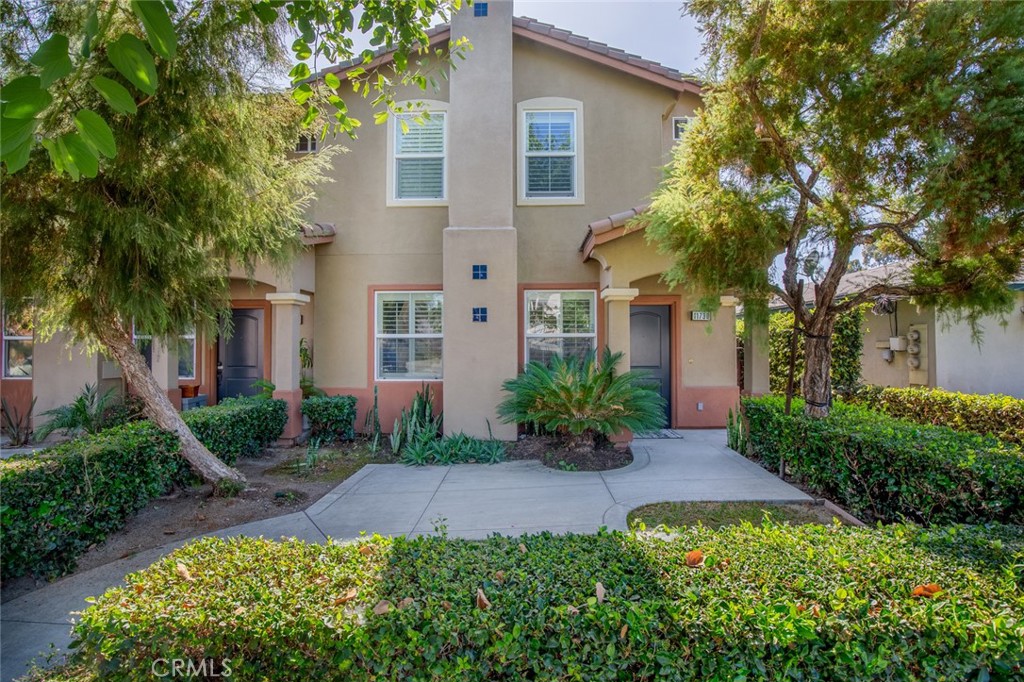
{"type": "Point", "coordinates": [469, 500]}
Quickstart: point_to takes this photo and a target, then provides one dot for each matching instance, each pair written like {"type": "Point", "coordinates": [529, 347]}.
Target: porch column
{"type": "Point", "coordinates": [755, 360]}
{"type": "Point", "coordinates": [617, 321]}
{"type": "Point", "coordinates": [165, 369]}
{"type": "Point", "coordinates": [285, 370]}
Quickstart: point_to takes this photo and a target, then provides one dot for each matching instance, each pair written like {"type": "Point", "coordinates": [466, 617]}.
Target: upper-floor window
{"type": "Point", "coordinates": [409, 335]}
{"type": "Point", "coordinates": [306, 144]}
{"type": "Point", "coordinates": [551, 151]}
{"type": "Point", "coordinates": [18, 344]}
{"type": "Point", "coordinates": [679, 124]}
{"type": "Point", "coordinates": [417, 150]}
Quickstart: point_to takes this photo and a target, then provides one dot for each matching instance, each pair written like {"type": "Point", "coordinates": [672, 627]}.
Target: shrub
{"type": "Point", "coordinates": [999, 415]}
{"type": "Point", "coordinates": [773, 602]}
{"type": "Point", "coordinates": [16, 424]}
{"type": "Point", "coordinates": [581, 399]}
{"type": "Point", "coordinates": [57, 503]}
{"type": "Point", "coordinates": [418, 424]}
{"type": "Point", "coordinates": [847, 343]}
{"type": "Point", "coordinates": [455, 449]}
{"type": "Point", "coordinates": [331, 417]}
{"type": "Point", "coordinates": [238, 427]}
{"type": "Point", "coordinates": [886, 469]}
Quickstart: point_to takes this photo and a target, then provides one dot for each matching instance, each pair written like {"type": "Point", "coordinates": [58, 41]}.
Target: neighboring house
{"type": "Point", "coordinates": [910, 345]}
{"type": "Point", "coordinates": [448, 253]}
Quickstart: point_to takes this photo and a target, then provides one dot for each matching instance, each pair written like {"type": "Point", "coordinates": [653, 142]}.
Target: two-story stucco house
{"type": "Point", "coordinates": [453, 251]}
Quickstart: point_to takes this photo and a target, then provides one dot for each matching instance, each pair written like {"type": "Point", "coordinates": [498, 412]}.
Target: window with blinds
{"type": "Point", "coordinates": [420, 149]}
{"type": "Point", "coordinates": [560, 323]}
{"type": "Point", "coordinates": [409, 335]}
{"type": "Point", "coordinates": [550, 153]}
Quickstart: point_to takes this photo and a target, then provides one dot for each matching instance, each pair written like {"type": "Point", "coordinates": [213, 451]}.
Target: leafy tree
{"type": "Point", "coordinates": [48, 54]}
{"type": "Point", "coordinates": [847, 346]}
{"type": "Point", "coordinates": [829, 126]}
{"type": "Point", "coordinates": [202, 179]}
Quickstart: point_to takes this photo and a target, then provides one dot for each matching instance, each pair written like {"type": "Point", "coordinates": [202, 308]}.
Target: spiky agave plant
{"type": "Point", "coordinates": [87, 413]}
{"type": "Point", "coordinates": [583, 398]}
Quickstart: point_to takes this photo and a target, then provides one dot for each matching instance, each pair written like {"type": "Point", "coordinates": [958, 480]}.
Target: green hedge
{"type": "Point", "coordinates": [55, 505]}
{"type": "Point", "coordinates": [238, 427]}
{"type": "Point", "coordinates": [999, 415]}
{"type": "Point", "coordinates": [847, 345]}
{"type": "Point", "coordinates": [881, 468]}
{"type": "Point", "coordinates": [331, 418]}
{"type": "Point", "coordinates": [772, 603]}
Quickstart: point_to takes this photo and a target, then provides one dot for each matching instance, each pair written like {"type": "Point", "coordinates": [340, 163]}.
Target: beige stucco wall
{"type": "Point", "coordinates": [876, 328]}
{"type": "Point", "coordinates": [60, 373]}
{"type": "Point", "coordinates": [996, 366]}
{"type": "Point", "coordinates": [625, 120]}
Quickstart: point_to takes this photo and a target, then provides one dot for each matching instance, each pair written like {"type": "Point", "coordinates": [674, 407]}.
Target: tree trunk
{"type": "Point", "coordinates": [581, 444]}
{"type": "Point", "coordinates": [817, 382]}
{"type": "Point", "coordinates": [118, 341]}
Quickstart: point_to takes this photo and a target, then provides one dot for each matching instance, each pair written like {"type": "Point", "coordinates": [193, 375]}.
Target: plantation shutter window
{"type": "Point", "coordinates": [550, 153]}
{"type": "Point", "coordinates": [420, 149]}
{"type": "Point", "coordinates": [560, 323]}
{"type": "Point", "coordinates": [409, 335]}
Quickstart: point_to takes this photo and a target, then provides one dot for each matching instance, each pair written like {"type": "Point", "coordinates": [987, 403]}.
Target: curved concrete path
{"type": "Point", "coordinates": [469, 500]}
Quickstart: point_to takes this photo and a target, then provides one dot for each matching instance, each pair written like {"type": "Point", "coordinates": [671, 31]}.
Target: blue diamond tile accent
{"type": "Point", "coordinates": [480, 9]}
{"type": "Point", "coordinates": [479, 314]}
{"type": "Point", "coordinates": [479, 272]}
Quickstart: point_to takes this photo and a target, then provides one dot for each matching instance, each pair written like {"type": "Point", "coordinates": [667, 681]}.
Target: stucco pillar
{"type": "Point", "coordinates": [165, 370]}
{"type": "Point", "coordinates": [617, 321]}
{"type": "Point", "coordinates": [755, 360]}
{"type": "Point", "coordinates": [285, 370]}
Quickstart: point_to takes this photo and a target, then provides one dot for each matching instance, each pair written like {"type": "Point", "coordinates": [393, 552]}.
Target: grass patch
{"type": "Point", "coordinates": [331, 464]}
{"type": "Point", "coordinates": [721, 514]}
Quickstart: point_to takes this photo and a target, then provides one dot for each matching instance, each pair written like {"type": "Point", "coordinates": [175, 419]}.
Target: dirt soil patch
{"type": "Point", "coordinates": [551, 452]}
{"type": "Point", "coordinates": [280, 483]}
{"type": "Point", "coordinates": [720, 514]}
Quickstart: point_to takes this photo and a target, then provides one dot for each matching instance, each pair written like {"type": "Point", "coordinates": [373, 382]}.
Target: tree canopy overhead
{"type": "Point", "coordinates": [829, 127]}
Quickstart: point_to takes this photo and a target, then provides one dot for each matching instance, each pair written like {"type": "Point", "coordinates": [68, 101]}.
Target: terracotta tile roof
{"type": "Point", "coordinates": [318, 233]}
{"type": "Point", "coordinates": [552, 35]}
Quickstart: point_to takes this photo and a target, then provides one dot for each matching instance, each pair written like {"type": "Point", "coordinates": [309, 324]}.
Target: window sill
{"type": "Point", "coordinates": [7, 378]}
{"type": "Point", "coordinates": [416, 203]}
{"type": "Point", "coordinates": [550, 201]}
{"type": "Point", "coordinates": [419, 380]}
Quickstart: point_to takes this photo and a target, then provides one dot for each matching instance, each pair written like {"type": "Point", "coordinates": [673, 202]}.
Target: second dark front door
{"type": "Point", "coordinates": [240, 357]}
{"type": "Point", "coordinates": [650, 348]}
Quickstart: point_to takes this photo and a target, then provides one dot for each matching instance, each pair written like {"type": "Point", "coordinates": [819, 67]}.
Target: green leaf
{"type": "Point", "coordinates": [52, 57]}
{"type": "Point", "coordinates": [266, 13]}
{"type": "Point", "coordinates": [96, 132]}
{"type": "Point", "coordinates": [299, 72]}
{"type": "Point", "coordinates": [14, 132]}
{"type": "Point", "coordinates": [302, 93]}
{"type": "Point", "coordinates": [301, 49]}
{"type": "Point", "coordinates": [24, 98]}
{"type": "Point", "coordinates": [130, 57]}
{"type": "Point", "coordinates": [92, 27]}
{"type": "Point", "coordinates": [117, 96]}
{"type": "Point", "coordinates": [159, 28]}
{"type": "Point", "coordinates": [80, 154]}
{"type": "Point", "coordinates": [17, 156]}
{"type": "Point", "coordinates": [332, 81]}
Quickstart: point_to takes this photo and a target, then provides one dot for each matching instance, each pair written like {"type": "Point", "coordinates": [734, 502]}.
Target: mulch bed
{"type": "Point", "coordinates": [551, 450]}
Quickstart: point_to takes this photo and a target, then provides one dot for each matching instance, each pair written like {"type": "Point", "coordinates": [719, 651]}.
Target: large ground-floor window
{"type": "Point", "coordinates": [560, 323]}
{"type": "Point", "coordinates": [409, 335]}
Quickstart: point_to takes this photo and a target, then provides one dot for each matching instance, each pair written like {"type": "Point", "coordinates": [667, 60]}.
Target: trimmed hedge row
{"type": "Point", "coordinates": [884, 469]}
{"type": "Point", "coordinates": [1001, 416]}
{"type": "Point", "coordinates": [56, 503]}
{"type": "Point", "coordinates": [238, 427]}
{"type": "Point", "coordinates": [331, 418]}
{"type": "Point", "coordinates": [773, 603]}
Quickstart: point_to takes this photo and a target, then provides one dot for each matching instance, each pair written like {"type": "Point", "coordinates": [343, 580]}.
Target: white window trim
{"type": "Point", "coordinates": [3, 347]}
{"type": "Point", "coordinates": [549, 104]}
{"type": "Point", "coordinates": [195, 352]}
{"type": "Point", "coordinates": [526, 319]}
{"type": "Point", "coordinates": [688, 119]}
{"type": "Point", "coordinates": [312, 145]}
{"type": "Point", "coordinates": [430, 106]}
{"type": "Point", "coordinates": [377, 336]}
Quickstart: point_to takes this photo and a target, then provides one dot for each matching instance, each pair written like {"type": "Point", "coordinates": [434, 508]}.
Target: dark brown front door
{"type": "Point", "coordinates": [240, 357]}
{"type": "Point", "coordinates": [650, 346]}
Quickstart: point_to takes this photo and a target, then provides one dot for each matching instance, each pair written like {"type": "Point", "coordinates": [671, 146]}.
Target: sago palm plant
{"type": "Point", "coordinates": [88, 413]}
{"type": "Point", "coordinates": [582, 399]}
